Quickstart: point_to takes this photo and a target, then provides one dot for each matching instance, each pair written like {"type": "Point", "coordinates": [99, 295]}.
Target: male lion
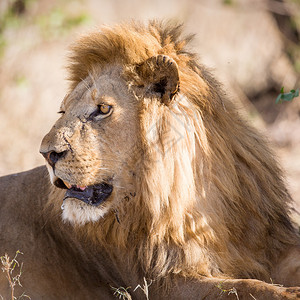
{"type": "Point", "coordinates": [155, 178]}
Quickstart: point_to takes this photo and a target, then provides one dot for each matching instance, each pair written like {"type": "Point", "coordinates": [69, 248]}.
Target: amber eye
{"type": "Point", "coordinates": [104, 109]}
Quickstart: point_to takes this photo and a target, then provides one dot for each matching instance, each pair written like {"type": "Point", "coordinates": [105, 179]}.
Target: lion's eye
{"type": "Point", "coordinates": [104, 109]}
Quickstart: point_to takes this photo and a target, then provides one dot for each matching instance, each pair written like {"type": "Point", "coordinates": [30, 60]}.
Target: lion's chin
{"type": "Point", "coordinates": [79, 213]}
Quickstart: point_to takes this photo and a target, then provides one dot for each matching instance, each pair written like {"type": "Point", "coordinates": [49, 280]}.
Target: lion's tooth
{"type": "Point", "coordinates": [67, 184]}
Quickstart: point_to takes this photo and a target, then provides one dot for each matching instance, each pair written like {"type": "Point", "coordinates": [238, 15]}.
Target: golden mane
{"type": "Point", "coordinates": [210, 202]}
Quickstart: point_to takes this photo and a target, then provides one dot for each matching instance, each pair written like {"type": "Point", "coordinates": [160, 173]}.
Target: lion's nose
{"type": "Point", "coordinates": [53, 157]}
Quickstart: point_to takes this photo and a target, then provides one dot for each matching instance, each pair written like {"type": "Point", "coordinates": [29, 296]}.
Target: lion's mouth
{"type": "Point", "coordinates": [93, 195]}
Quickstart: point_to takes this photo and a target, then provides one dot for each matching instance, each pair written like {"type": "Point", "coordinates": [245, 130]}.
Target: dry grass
{"type": "Point", "coordinates": [9, 267]}
{"type": "Point", "coordinates": [123, 293]}
{"type": "Point", "coordinates": [228, 291]}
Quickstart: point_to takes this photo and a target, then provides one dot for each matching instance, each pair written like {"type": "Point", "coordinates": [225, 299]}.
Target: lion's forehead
{"type": "Point", "coordinates": [106, 86]}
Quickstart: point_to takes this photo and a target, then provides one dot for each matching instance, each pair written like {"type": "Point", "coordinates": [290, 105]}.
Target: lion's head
{"type": "Point", "coordinates": [149, 147]}
{"type": "Point", "coordinates": [88, 151]}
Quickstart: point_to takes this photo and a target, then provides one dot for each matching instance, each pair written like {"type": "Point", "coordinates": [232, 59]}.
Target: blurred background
{"type": "Point", "coordinates": [252, 46]}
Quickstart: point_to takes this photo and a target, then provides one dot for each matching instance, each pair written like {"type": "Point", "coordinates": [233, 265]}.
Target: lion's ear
{"type": "Point", "coordinates": [160, 75]}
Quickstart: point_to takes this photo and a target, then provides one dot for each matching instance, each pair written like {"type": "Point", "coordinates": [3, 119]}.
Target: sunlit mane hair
{"type": "Point", "coordinates": [201, 173]}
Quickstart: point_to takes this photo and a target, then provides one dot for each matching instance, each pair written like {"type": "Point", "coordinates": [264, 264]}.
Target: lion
{"type": "Point", "coordinates": [155, 180]}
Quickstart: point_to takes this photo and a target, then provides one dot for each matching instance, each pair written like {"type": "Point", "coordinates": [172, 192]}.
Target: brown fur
{"type": "Point", "coordinates": [212, 204]}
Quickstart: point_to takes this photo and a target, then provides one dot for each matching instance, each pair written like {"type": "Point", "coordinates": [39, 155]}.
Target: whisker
{"type": "Point", "coordinates": [92, 77]}
{"type": "Point", "coordinates": [115, 160]}
{"type": "Point", "coordinates": [86, 84]}
{"type": "Point", "coordinates": [120, 187]}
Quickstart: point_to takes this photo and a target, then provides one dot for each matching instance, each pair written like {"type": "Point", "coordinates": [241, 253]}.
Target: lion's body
{"type": "Point", "coordinates": [54, 267]}
{"type": "Point", "coordinates": [194, 192]}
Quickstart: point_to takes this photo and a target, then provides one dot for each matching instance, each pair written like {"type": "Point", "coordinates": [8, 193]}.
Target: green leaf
{"type": "Point", "coordinates": [278, 98]}
{"type": "Point", "coordinates": [287, 96]}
